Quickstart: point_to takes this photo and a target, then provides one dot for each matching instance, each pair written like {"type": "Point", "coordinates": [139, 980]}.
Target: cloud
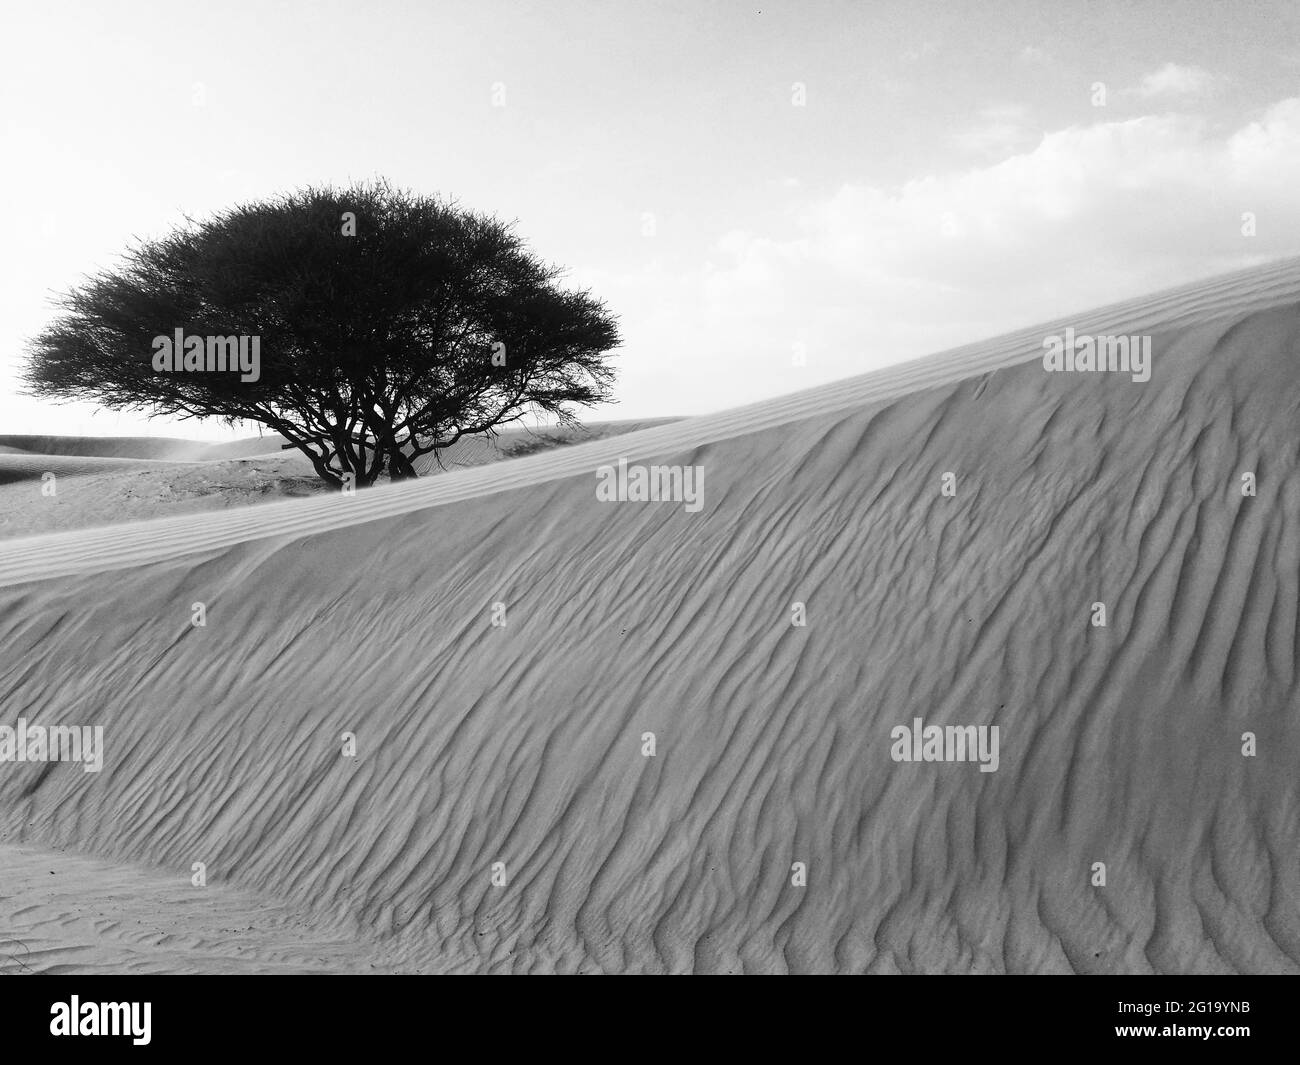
{"type": "Point", "coordinates": [1162, 184]}
{"type": "Point", "coordinates": [998, 131]}
{"type": "Point", "coordinates": [1172, 80]}
{"type": "Point", "coordinates": [1032, 54]}
{"type": "Point", "coordinates": [868, 275]}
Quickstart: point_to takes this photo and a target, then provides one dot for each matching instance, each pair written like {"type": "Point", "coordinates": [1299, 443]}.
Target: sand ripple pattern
{"type": "Point", "coordinates": [522, 744]}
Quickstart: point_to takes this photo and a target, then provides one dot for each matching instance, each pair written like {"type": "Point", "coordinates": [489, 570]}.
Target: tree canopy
{"type": "Point", "coordinates": [384, 325]}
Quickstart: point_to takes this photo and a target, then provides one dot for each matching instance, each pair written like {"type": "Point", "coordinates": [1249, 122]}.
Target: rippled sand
{"type": "Point", "coordinates": [523, 744]}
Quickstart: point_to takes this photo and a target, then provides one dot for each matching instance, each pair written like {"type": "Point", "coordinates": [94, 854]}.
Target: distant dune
{"type": "Point", "coordinates": [515, 751]}
{"type": "Point", "coordinates": [18, 466]}
{"type": "Point", "coordinates": [508, 440]}
{"type": "Point", "coordinates": [114, 447]}
{"type": "Point", "coordinates": [107, 480]}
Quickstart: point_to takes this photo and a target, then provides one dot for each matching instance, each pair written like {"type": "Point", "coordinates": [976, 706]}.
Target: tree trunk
{"type": "Point", "coordinates": [323, 470]}
{"type": "Point", "coordinates": [400, 468]}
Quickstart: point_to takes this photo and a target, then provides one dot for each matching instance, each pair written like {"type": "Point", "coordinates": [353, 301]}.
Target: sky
{"type": "Point", "coordinates": [770, 196]}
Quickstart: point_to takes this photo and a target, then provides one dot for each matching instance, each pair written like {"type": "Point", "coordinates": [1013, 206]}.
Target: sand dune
{"type": "Point", "coordinates": [65, 913]}
{"type": "Point", "coordinates": [106, 481]}
{"type": "Point", "coordinates": [508, 441]}
{"type": "Point", "coordinates": [114, 447]}
{"type": "Point", "coordinates": [24, 466]}
{"type": "Point", "coordinates": [522, 744]}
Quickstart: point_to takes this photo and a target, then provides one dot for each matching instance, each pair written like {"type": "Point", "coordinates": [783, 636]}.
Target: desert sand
{"type": "Point", "coordinates": [514, 752]}
{"type": "Point", "coordinates": [106, 480]}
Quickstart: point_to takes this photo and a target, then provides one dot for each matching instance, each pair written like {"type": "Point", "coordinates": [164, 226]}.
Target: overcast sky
{"type": "Point", "coordinates": [861, 183]}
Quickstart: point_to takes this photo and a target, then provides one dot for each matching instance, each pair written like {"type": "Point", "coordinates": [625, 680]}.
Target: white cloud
{"type": "Point", "coordinates": [1163, 184]}
{"type": "Point", "coordinates": [1172, 80]}
{"type": "Point", "coordinates": [998, 131]}
{"type": "Point", "coordinates": [1032, 54]}
{"type": "Point", "coordinates": [1091, 215]}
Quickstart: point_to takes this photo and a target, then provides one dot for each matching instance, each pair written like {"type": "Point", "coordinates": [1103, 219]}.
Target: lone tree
{"type": "Point", "coordinates": [367, 326]}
